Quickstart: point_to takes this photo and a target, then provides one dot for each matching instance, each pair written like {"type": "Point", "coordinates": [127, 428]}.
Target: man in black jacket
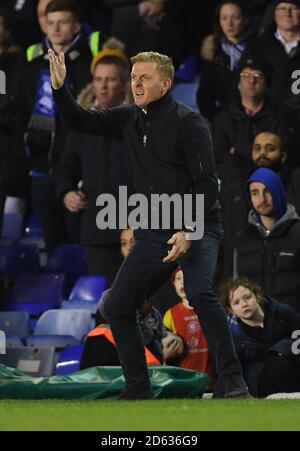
{"type": "Point", "coordinates": [280, 47]}
{"type": "Point", "coordinates": [171, 153]}
{"type": "Point", "coordinates": [267, 151]}
{"type": "Point", "coordinates": [233, 130]}
{"type": "Point", "coordinates": [267, 249]}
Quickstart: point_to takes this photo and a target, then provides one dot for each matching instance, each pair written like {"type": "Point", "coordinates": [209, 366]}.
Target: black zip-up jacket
{"type": "Point", "coordinates": [271, 259]}
{"type": "Point", "coordinates": [170, 146]}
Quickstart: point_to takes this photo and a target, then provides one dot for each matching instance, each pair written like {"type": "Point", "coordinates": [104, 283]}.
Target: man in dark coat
{"type": "Point", "coordinates": [280, 48]}
{"type": "Point", "coordinates": [267, 249]}
{"type": "Point", "coordinates": [170, 151]}
{"type": "Point", "coordinates": [267, 151]}
{"type": "Point", "coordinates": [233, 130]}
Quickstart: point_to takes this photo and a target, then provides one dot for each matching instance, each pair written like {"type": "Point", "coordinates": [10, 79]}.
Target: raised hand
{"type": "Point", "coordinates": [58, 69]}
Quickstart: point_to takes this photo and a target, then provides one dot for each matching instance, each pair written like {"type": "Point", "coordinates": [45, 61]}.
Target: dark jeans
{"type": "Point", "coordinates": [142, 272]}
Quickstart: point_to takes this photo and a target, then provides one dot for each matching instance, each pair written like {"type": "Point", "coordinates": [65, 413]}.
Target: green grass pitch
{"type": "Point", "coordinates": [158, 415]}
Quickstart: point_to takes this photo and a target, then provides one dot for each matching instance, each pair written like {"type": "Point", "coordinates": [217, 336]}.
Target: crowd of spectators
{"type": "Point", "coordinates": [247, 56]}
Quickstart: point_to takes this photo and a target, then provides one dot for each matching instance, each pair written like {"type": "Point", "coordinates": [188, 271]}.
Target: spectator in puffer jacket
{"type": "Point", "coordinates": [267, 249]}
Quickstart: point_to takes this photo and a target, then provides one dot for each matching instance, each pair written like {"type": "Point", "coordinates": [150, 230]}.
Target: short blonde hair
{"type": "Point", "coordinates": [164, 63]}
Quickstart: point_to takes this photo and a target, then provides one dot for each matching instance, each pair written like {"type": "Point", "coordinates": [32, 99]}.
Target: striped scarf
{"type": "Point", "coordinates": [233, 51]}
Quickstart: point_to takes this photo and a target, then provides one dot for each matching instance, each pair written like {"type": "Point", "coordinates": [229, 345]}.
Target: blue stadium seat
{"type": "Point", "coordinates": [70, 260]}
{"type": "Point", "coordinates": [81, 305]}
{"type": "Point", "coordinates": [36, 293]}
{"type": "Point", "coordinates": [56, 341]}
{"type": "Point", "coordinates": [61, 328]}
{"type": "Point", "coordinates": [88, 288]}
{"type": "Point", "coordinates": [15, 258]}
{"type": "Point", "coordinates": [12, 227]}
{"type": "Point", "coordinates": [15, 323]}
{"type": "Point", "coordinates": [33, 227]}
{"type": "Point", "coordinates": [86, 294]}
{"type": "Point", "coordinates": [34, 361]}
{"type": "Point", "coordinates": [33, 233]}
{"type": "Point", "coordinates": [188, 71]}
{"type": "Point", "coordinates": [12, 341]}
{"type": "Point", "coordinates": [69, 360]}
{"type": "Point", "coordinates": [186, 93]}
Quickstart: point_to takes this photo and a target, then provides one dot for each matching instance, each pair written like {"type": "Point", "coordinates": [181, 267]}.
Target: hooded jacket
{"type": "Point", "coordinates": [271, 258]}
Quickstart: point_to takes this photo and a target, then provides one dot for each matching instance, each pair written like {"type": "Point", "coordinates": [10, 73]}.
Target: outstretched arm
{"type": "Point", "coordinates": [109, 123]}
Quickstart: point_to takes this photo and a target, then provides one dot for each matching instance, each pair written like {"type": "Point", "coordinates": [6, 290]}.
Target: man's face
{"type": "Point", "coordinates": [147, 84]}
{"type": "Point", "coordinates": [267, 151]}
{"type": "Point", "coordinates": [108, 86]}
{"type": "Point", "coordinates": [62, 27]}
{"type": "Point", "coordinates": [287, 16]}
{"type": "Point", "coordinates": [41, 8]}
{"type": "Point", "coordinates": [252, 83]}
{"type": "Point", "coordinates": [261, 199]}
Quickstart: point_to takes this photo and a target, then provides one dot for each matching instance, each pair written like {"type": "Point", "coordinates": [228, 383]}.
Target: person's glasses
{"type": "Point", "coordinates": [283, 10]}
{"type": "Point", "coordinates": [249, 76]}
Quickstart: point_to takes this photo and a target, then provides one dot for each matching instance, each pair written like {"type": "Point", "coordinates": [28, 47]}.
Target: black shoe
{"type": "Point", "coordinates": [235, 387]}
{"type": "Point", "coordinates": [135, 392]}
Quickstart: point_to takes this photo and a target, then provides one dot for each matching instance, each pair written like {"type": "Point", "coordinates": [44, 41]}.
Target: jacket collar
{"type": "Point", "coordinates": [75, 47]}
{"type": "Point", "coordinates": [290, 215]}
{"type": "Point", "coordinates": [160, 106]}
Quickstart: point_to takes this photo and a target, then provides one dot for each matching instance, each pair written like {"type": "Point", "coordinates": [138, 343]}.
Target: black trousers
{"type": "Point", "coordinates": [142, 272]}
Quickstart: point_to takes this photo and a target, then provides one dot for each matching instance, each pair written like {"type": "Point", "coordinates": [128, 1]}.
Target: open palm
{"type": "Point", "coordinates": [58, 69]}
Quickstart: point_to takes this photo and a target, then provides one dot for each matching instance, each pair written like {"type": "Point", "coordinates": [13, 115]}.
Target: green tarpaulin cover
{"type": "Point", "coordinates": [99, 383]}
